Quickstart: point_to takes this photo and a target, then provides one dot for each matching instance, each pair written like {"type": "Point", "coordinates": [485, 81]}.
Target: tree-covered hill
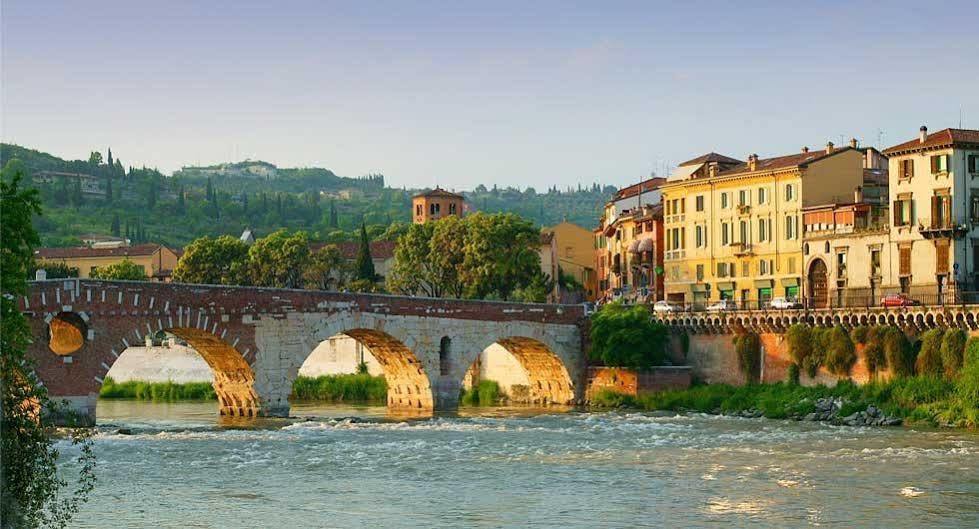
{"type": "Point", "coordinates": [102, 195]}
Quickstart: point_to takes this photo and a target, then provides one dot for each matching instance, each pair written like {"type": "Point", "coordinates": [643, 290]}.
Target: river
{"type": "Point", "coordinates": [519, 467]}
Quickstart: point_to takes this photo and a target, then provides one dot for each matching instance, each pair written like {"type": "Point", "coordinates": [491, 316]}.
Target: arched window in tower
{"type": "Point", "coordinates": [445, 346]}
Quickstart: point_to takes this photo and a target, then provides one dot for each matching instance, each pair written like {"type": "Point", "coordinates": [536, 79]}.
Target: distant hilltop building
{"type": "Point", "coordinates": [436, 204]}
{"type": "Point", "coordinates": [246, 169]}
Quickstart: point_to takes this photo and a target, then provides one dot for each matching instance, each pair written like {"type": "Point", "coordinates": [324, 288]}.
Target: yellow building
{"type": "Point", "coordinates": [732, 229]}
{"type": "Point", "coordinates": [575, 250]}
{"type": "Point", "coordinates": [157, 260]}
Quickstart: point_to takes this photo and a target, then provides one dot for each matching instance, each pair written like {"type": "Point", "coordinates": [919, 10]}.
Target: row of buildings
{"type": "Point", "coordinates": [833, 226]}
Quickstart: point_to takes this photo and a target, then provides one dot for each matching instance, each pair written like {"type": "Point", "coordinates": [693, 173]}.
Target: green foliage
{"type": "Point", "coordinates": [486, 393]}
{"type": "Point", "coordinates": [748, 348]}
{"type": "Point", "coordinates": [156, 391]}
{"type": "Point", "coordinates": [840, 354]}
{"type": "Point", "coordinates": [898, 351]}
{"type": "Point", "coordinates": [360, 387]}
{"type": "Point", "coordinates": [861, 334]}
{"type": "Point", "coordinates": [326, 269]}
{"type": "Point", "coordinates": [971, 351]}
{"type": "Point", "coordinates": [220, 261]}
{"type": "Point", "coordinates": [278, 260]}
{"type": "Point", "coordinates": [874, 357]}
{"type": "Point", "coordinates": [122, 270]}
{"type": "Point", "coordinates": [626, 336]}
{"type": "Point", "coordinates": [952, 351]}
{"type": "Point", "coordinates": [54, 269]}
{"type": "Point", "coordinates": [929, 361]}
{"type": "Point", "coordinates": [501, 255]}
{"type": "Point", "coordinates": [685, 343]}
{"type": "Point", "coordinates": [32, 492]}
{"type": "Point", "coordinates": [794, 374]}
{"type": "Point", "coordinates": [534, 292]}
{"type": "Point", "coordinates": [364, 266]}
{"type": "Point", "coordinates": [799, 338]}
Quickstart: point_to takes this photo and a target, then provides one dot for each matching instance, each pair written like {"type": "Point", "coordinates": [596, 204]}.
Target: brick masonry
{"type": "Point", "coordinates": [256, 339]}
{"type": "Point", "coordinates": [631, 382]}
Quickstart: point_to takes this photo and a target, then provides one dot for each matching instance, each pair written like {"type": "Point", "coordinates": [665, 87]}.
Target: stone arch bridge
{"type": "Point", "coordinates": [256, 339]}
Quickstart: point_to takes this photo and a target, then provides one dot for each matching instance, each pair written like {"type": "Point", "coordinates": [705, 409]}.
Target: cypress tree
{"type": "Point", "coordinates": [181, 204]}
{"type": "Point", "coordinates": [365, 264]}
{"type": "Point", "coordinates": [108, 188]}
{"type": "Point", "coordinates": [334, 218]}
{"type": "Point", "coordinates": [210, 191]}
{"type": "Point", "coordinates": [115, 224]}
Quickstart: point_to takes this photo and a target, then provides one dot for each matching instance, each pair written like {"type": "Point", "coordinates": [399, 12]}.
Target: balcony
{"type": "Point", "coordinates": [674, 255]}
{"type": "Point", "coordinates": [941, 229]}
{"type": "Point", "coordinates": [744, 209]}
{"type": "Point", "coordinates": [742, 249]}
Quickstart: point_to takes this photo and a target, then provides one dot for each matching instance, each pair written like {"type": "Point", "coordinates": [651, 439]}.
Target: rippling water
{"type": "Point", "coordinates": [519, 468]}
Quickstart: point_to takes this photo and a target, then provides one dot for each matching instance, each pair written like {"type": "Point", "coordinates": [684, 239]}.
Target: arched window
{"type": "Point", "coordinates": [805, 248]}
{"type": "Point", "coordinates": [445, 345]}
{"type": "Point", "coordinates": [827, 247]}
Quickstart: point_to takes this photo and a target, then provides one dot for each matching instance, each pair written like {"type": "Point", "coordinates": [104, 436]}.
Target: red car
{"type": "Point", "coordinates": [898, 300]}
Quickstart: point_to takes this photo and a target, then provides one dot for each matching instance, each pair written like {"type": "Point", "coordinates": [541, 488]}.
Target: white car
{"type": "Point", "coordinates": [784, 303]}
{"type": "Point", "coordinates": [665, 306]}
{"type": "Point", "coordinates": [722, 305]}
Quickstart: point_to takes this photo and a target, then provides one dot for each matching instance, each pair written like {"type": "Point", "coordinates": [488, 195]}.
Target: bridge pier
{"type": "Point", "coordinates": [447, 391]}
{"type": "Point", "coordinates": [72, 410]}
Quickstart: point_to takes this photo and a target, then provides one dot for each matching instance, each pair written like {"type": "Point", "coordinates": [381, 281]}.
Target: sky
{"type": "Point", "coordinates": [465, 93]}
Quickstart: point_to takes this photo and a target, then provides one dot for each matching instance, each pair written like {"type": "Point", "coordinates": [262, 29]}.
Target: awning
{"type": "Point", "coordinates": [789, 281]}
{"type": "Point", "coordinates": [646, 245]}
{"type": "Point", "coordinates": [634, 246]}
{"type": "Point", "coordinates": [698, 287]}
{"type": "Point", "coordinates": [763, 283]}
{"type": "Point", "coordinates": [727, 285]}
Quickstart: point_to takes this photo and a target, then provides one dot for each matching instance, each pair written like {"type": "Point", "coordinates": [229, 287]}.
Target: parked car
{"type": "Point", "coordinates": [666, 306]}
{"type": "Point", "coordinates": [784, 304]}
{"type": "Point", "coordinates": [898, 300]}
{"type": "Point", "coordinates": [722, 305]}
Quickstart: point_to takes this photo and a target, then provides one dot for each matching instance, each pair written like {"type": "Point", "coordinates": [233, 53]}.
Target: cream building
{"type": "Point", "coordinates": [733, 229]}
{"type": "Point", "coordinates": [934, 196]}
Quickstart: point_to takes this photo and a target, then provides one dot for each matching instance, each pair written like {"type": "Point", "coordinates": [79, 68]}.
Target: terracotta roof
{"type": "Point", "coordinates": [633, 190]}
{"type": "Point", "coordinates": [800, 159]}
{"type": "Point", "coordinates": [710, 157]}
{"type": "Point", "coordinates": [379, 249]}
{"type": "Point", "coordinates": [439, 192]}
{"type": "Point", "coordinates": [942, 138]}
{"type": "Point", "coordinates": [83, 252]}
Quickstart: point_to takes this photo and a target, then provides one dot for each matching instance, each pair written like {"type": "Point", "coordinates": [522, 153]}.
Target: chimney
{"type": "Point", "coordinates": [829, 147]}
{"type": "Point", "coordinates": [853, 143]}
{"type": "Point", "coordinates": [922, 134]}
{"type": "Point", "coordinates": [752, 162]}
{"type": "Point", "coordinates": [712, 169]}
{"type": "Point", "coordinates": [858, 195]}
{"type": "Point", "coordinates": [805, 150]}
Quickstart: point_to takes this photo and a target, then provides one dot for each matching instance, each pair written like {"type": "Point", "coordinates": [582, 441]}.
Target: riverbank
{"type": "Point", "coordinates": [916, 400]}
{"type": "Point", "coordinates": [156, 391]}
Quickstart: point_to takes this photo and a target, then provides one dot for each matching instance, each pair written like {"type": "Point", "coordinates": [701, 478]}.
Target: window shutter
{"type": "Point", "coordinates": [936, 212]}
{"type": "Point", "coordinates": [941, 258]}
{"type": "Point", "coordinates": [905, 261]}
{"type": "Point", "coordinates": [934, 163]}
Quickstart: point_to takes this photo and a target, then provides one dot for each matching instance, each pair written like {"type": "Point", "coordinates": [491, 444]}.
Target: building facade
{"type": "Point", "coordinates": [436, 204]}
{"type": "Point", "coordinates": [575, 254]}
{"type": "Point", "coordinates": [157, 260]}
{"type": "Point", "coordinates": [733, 229]}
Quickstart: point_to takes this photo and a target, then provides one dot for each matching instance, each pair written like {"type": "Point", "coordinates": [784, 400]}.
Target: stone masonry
{"type": "Point", "coordinates": [256, 339]}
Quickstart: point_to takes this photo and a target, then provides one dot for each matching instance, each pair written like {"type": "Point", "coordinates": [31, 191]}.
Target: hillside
{"type": "Point", "coordinates": [100, 196]}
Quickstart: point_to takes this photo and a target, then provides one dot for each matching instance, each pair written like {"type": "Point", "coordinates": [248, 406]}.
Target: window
{"type": "Point", "coordinates": [743, 197]}
{"type": "Point", "coordinates": [791, 264]}
{"type": "Point", "coordinates": [939, 164]}
{"type": "Point", "coordinates": [699, 202]}
{"type": "Point", "coordinates": [841, 265]}
{"type": "Point", "coordinates": [698, 232]}
{"type": "Point", "coordinates": [731, 269]}
{"type": "Point", "coordinates": [904, 254]}
{"type": "Point", "coordinates": [724, 237]}
{"type": "Point", "coordinates": [700, 272]}
{"type": "Point", "coordinates": [941, 257]}
{"type": "Point", "coordinates": [745, 269]}
{"type": "Point", "coordinates": [763, 267]}
{"type": "Point", "coordinates": [452, 208]}
{"type": "Point", "coordinates": [973, 163]}
{"type": "Point", "coordinates": [903, 210]}
{"type": "Point", "coordinates": [761, 195]}
{"type": "Point", "coordinates": [721, 269]}
{"type": "Point", "coordinates": [745, 233]}
{"type": "Point", "coordinates": [974, 206]}
{"type": "Point", "coordinates": [418, 210]}
{"type": "Point", "coordinates": [905, 168]}
{"type": "Point", "coordinates": [791, 227]}
{"type": "Point", "coordinates": [805, 249]}
{"type": "Point", "coordinates": [723, 200]}
{"type": "Point", "coordinates": [874, 263]}
{"type": "Point", "coordinates": [764, 230]}
{"type": "Point", "coordinates": [789, 192]}
{"type": "Point", "coordinates": [445, 361]}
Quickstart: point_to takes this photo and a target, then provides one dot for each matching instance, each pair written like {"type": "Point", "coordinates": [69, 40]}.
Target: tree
{"type": "Point", "coordinates": [364, 265]}
{"type": "Point", "coordinates": [76, 197]}
{"type": "Point", "coordinates": [220, 261]}
{"type": "Point", "coordinates": [181, 201]}
{"type": "Point", "coordinates": [325, 268]}
{"type": "Point", "coordinates": [501, 254]}
{"type": "Point", "coordinates": [95, 160]}
{"type": "Point", "coordinates": [412, 270]}
{"type": "Point", "coordinates": [125, 270]}
{"type": "Point", "coordinates": [32, 489]}
{"type": "Point", "coordinates": [151, 194]}
{"type": "Point", "coordinates": [109, 162]}
{"type": "Point", "coordinates": [626, 336]}
{"type": "Point", "coordinates": [115, 224]}
{"type": "Point", "coordinates": [108, 188]}
{"type": "Point", "coordinates": [278, 260]}
{"type": "Point", "coordinates": [334, 218]}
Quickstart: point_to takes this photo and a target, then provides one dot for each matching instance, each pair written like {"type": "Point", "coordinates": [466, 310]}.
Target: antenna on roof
{"type": "Point", "coordinates": [960, 116]}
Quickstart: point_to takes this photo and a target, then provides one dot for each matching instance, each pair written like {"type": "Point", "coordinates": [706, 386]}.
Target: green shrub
{"type": "Point", "coordinates": [156, 391]}
{"type": "Point", "coordinates": [794, 374]}
{"type": "Point", "coordinates": [486, 393]}
{"type": "Point", "coordinates": [897, 351]}
{"type": "Point", "coordinates": [359, 387]}
{"type": "Point", "coordinates": [860, 334]}
{"type": "Point", "coordinates": [952, 351]}
{"type": "Point", "coordinates": [840, 353]}
{"type": "Point", "coordinates": [922, 389]}
{"type": "Point", "coordinates": [874, 357]}
{"type": "Point", "coordinates": [799, 338]}
{"type": "Point", "coordinates": [626, 336]}
{"type": "Point", "coordinates": [967, 383]}
{"type": "Point", "coordinates": [971, 351]}
{"type": "Point", "coordinates": [748, 348]}
{"type": "Point", "coordinates": [929, 361]}
{"type": "Point", "coordinates": [612, 399]}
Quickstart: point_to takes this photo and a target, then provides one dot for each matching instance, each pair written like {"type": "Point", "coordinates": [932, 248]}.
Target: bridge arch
{"type": "Point", "coordinates": [548, 378]}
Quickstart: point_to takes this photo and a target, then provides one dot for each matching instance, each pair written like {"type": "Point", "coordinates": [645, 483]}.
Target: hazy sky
{"type": "Point", "coordinates": [461, 93]}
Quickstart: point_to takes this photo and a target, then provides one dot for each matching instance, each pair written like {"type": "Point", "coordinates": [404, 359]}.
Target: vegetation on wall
{"type": "Point", "coordinates": [929, 360]}
{"type": "Point", "coordinates": [953, 351]}
{"type": "Point", "coordinates": [840, 354]}
{"type": "Point", "coordinates": [747, 346]}
{"type": "Point", "coordinates": [625, 336]}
